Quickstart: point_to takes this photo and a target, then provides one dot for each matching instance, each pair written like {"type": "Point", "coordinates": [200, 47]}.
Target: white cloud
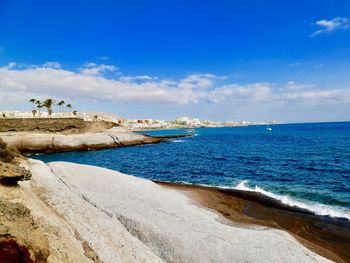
{"type": "Point", "coordinates": [293, 86]}
{"type": "Point", "coordinates": [290, 93]}
{"type": "Point", "coordinates": [132, 78]}
{"type": "Point", "coordinates": [92, 69]}
{"type": "Point", "coordinates": [199, 81]}
{"type": "Point", "coordinates": [18, 84]}
{"type": "Point", "coordinates": [51, 64]}
{"type": "Point", "coordinates": [326, 26]}
{"type": "Point", "coordinates": [257, 92]}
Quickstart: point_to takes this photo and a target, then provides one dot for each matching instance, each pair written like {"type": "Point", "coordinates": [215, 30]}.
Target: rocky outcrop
{"type": "Point", "coordinates": [29, 142]}
{"type": "Point", "coordinates": [20, 238]}
{"type": "Point", "coordinates": [78, 230]}
{"type": "Point", "coordinates": [12, 252]}
{"type": "Point", "coordinates": [121, 218]}
{"type": "Point", "coordinates": [10, 174]}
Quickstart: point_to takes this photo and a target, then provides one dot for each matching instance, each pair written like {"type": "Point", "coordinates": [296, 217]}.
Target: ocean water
{"type": "Point", "coordinates": [304, 165]}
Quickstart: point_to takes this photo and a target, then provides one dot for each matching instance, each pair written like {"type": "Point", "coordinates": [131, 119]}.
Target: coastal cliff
{"type": "Point", "coordinates": [91, 214]}
{"type": "Point", "coordinates": [35, 142]}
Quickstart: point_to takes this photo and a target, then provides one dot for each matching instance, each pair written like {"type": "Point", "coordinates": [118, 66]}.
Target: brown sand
{"type": "Point", "coordinates": [324, 235]}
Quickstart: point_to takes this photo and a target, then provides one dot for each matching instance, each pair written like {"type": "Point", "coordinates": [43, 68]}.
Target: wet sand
{"type": "Point", "coordinates": [328, 237]}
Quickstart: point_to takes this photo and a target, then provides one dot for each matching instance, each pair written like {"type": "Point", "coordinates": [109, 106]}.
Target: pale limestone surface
{"type": "Point", "coordinates": [105, 235]}
{"type": "Point", "coordinates": [47, 142]}
{"type": "Point", "coordinates": [128, 219]}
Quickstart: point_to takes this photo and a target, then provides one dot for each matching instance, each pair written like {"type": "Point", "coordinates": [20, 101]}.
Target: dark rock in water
{"type": "Point", "coordinates": [10, 174]}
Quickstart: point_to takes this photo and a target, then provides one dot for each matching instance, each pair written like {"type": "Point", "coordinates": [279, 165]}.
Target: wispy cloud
{"type": "Point", "coordinates": [51, 64]}
{"type": "Point", "coordinates": [326, 26]}
{"type": "Point", "coordinates": [202, 81]}
{"type": "Point", "coordinates": [298, 63]}
{"type": "Point", "coordinates": [93, 69]}
{"type": "Point", "coordinates": [133, 78]}
{"type": "Point", "coordinates": [305, 64]}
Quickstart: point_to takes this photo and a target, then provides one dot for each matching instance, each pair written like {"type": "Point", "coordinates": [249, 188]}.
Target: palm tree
{"type": "Point", "coordinates": [34, 113]}
{"type": "Point", "coordinates": [48, 103]}
{"type": "Point", "coordinates": [69, 106]}
{"type": "Point", "coordinates": [60, 104]}
{"type": "Point", "coordinates": [39, 105]}
{"type": "Point", "coordinates": [75, 113]}
{"type": "Point", "coordinates": [32, 101]}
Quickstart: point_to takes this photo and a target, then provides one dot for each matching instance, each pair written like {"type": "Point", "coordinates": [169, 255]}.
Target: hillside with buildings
{"type": "Point", "coordinates": [133, 124]}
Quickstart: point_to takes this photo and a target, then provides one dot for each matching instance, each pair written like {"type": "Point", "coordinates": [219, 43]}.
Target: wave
{"type": "Point", "coordinates": [177, 141]}
{"type": "Point", "coordinates": [316, 208]}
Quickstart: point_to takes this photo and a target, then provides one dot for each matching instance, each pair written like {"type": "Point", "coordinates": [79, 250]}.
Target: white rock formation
{"type": "Point", "coordinates": [127, 219]}
{"type": "Point", "coordinates": [50, 142]}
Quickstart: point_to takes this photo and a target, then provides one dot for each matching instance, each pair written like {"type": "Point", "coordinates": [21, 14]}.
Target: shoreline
{"type": "Point", "coordinates": [106, 216]}
{"type": "Point", "coordinates": [36, 142]}
{"type": "Point", "coordinates": [326, 236]}
{"type": "Point", "coordinates": [323, 235]}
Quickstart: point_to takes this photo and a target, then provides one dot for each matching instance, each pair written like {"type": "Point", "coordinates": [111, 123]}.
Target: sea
{"type": "Point", "coordinates": [301, 165]}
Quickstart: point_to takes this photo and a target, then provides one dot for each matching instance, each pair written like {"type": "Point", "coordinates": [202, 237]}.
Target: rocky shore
{"type": "Point", "coordinates": [65, 212]}
{"type": "Point", "coordinates": [35, 142]}
{"type": "Point", "coordinates": [90, 214]}
{"type": "Point", "coordinates": [329, 237]}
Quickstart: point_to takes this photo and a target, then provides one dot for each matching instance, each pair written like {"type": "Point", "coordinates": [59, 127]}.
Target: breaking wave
{"type": "Point", "coordinates": [316, 208]}
{"type": "Point", "coordinates": [177, 141]}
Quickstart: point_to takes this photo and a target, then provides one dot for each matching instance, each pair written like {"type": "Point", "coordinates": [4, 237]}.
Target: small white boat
{"type": "Point", "coordinates": [269, 129]}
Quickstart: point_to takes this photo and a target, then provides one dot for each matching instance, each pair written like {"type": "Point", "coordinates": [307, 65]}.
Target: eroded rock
{"type": "Point", "coordinates": [10, 174]}
{"type": "Point", "coordinates": [12, 252]}
{"type": "Point", "coordinates": [29, 142]}
{"type": "Point", "coordinates": [21, 240]}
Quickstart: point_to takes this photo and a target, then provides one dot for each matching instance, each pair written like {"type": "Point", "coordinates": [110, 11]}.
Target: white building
{"type": "Point", "coordinates": [188, 121]}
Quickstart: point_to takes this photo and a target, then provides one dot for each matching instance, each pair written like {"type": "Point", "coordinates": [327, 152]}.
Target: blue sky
{"type": "Point", "coordinates": [225, 60]}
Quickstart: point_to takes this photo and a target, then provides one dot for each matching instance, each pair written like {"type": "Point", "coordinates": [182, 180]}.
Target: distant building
{"type": "Point", "coordinates": [86, 116]}
{"type": "Point", "coordinates": [188, 121]}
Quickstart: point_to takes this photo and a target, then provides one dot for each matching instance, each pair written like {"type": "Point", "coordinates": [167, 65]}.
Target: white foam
{"type": "Point", "coordinates": [177, 141]}
{"type": "Point", "coordinates": [316, 208]}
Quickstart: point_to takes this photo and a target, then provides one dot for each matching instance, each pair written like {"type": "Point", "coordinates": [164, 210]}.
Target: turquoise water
{"type": "Point", "coordinates": [304, 165]}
